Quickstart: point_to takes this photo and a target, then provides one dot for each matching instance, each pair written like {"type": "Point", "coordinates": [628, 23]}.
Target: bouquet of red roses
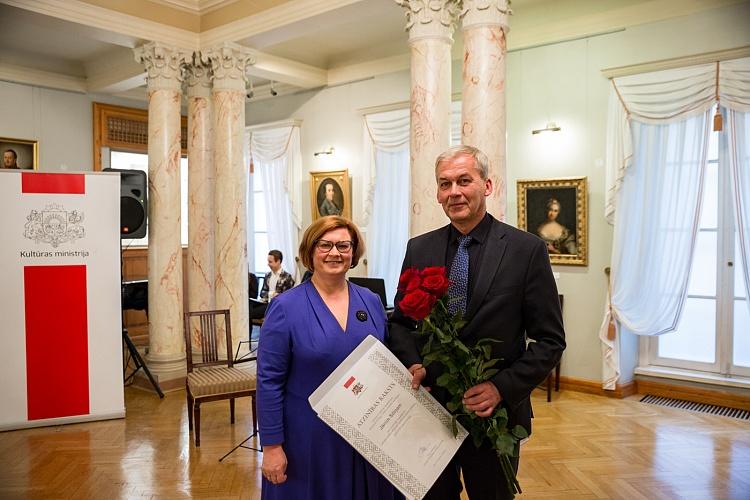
{"type": "Point", "coordinates": [425, 299]}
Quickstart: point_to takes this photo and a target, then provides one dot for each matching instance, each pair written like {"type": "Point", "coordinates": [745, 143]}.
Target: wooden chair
{"type": "Point", "coordinates": [213, 378]}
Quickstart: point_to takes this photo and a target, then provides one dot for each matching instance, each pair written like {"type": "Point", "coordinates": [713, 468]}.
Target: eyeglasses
{"type": "Point", "coordinates": [342, 246]}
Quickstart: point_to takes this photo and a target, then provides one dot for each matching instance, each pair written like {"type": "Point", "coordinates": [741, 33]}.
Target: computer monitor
{"type": "Point", "coordinates": [375, 285]}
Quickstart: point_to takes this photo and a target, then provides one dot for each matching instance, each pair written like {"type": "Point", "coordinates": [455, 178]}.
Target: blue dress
{"type": "Point", "coordinates": [301, 343]}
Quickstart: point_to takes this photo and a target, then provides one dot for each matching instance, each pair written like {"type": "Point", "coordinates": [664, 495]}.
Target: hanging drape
{"type": "Point", "coordinates": [739, 157]}
{"type": "Point", "coordinates": [386, 159]}
{"type": "Point", "coordinates": [657, 135]}
{"type": "Point", "coordinates": [277, 158]}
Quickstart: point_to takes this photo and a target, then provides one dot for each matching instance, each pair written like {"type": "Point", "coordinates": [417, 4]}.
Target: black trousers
{"type": "Point", "coordinates": [482, 472]}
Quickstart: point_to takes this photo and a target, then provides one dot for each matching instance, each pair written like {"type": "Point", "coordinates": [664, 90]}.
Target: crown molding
{"type": "Point", "coordinates": [275, 17]}
{"type": "Point", "coordinates": [678, 62]}
{"type": "Point", "coordinates": [368, 69]}
{"type": "Point", "coordinates": [195, 6]}
{"type": "Point", "coordinates": [38, 78]}
{"type": "Point", "coordinates": [94, 16]}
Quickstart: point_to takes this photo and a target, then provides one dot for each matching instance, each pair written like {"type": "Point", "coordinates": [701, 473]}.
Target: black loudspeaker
{"type": "Point", "coordinates": [133, 202]}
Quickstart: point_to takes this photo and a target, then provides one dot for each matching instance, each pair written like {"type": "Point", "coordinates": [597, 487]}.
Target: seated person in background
{"type": "Point", "coordinates": [252, 286]}
{"type": "Point", "coordinates": [308, 274]}
{"type": "Point", "coordinates": [275, 282]}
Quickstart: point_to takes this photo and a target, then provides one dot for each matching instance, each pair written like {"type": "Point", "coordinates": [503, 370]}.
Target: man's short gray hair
{"type": "Point", "coordinates": [481, 161]}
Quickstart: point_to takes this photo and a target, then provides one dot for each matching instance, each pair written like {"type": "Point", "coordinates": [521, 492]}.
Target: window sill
{"type": "Point", "coordinates": [693, 376]}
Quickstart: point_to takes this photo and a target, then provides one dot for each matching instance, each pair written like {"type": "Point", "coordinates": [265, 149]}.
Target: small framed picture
{"type": "Point", "coordinates": [556, 211]}
{"type": "Point", "coordinates": [19, 153]}
{"type": "Point", "coordinates": [330, 194]}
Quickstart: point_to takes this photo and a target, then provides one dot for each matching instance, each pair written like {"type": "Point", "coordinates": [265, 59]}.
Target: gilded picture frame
{"type": "Point", "coordinates": [556, 210]}
{"type": "Point", "coordinates": [26, 151]}
{"type": "Point", "coordinates": [330, 194]}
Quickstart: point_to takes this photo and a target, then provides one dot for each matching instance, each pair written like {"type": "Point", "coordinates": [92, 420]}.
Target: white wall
{"type": "Point", "coordinates": [560, 82]}
{"type": "Point", "coordinates": [62, 123]}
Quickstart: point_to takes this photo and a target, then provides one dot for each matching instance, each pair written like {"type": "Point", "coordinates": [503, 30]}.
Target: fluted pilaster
{"type": "Point", "coordinates": [483, 112]}
{"type": "Point", "coordinates": [228, 65]}
{"type": "Point", "coordinates": [430, 24]}
{"type": "Point", "coordinates": [200, 251]}
{"type": "Point", "coordinates": [163, 65]}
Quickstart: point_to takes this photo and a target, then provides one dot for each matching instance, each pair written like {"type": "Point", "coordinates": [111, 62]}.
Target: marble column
{"type": "Point", "coordinates": [430, 24]}
{"type": "Point", "coordinates": [228, 64]}
{"type": "Point", "coordinates": [485, 24]}
{"type": "Point", "coordinates": [200, 251]}
{"type": "Point", "coordinates": [166, 356]}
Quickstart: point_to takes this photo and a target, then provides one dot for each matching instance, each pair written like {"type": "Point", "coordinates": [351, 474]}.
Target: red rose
{"type": "Point", "coordinates": [435, 284]}
{"type": "Point", "coordinates": [434, 270]}
{"type": "Point", "coordinates": [409, 280]}
{"type": "Point", "coordinates": [417, 304]}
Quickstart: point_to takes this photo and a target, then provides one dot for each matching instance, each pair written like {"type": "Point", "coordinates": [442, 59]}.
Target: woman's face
{"type": "Point", "coordinates": [333, 263]}
{"type": "Point", "coordinates": [553, 211]}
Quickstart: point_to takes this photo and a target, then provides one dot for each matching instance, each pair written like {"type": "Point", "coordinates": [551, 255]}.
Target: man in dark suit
{"type": "Point", "coordinates": [510, 296]}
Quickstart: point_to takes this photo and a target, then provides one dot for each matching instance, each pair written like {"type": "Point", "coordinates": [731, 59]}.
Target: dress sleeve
{"type": "Point", "coordinates": [274, 356]}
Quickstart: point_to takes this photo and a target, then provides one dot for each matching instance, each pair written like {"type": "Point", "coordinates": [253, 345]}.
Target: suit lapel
{"type": "Point", "coordinates": [492, 256]}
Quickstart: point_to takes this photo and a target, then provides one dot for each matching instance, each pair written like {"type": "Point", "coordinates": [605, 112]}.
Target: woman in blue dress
{"type": "Point", "coordinates": [307, 332]}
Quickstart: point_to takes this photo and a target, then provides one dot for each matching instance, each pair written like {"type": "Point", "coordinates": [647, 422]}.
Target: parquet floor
{"type": "Point", "coordinates": [583, 446]}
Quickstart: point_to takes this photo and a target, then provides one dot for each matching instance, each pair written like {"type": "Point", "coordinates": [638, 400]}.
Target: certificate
{"type": "Point", "coordinates": [405, 434]}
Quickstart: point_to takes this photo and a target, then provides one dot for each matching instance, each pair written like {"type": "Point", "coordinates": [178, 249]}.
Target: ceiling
{"type": "Point", "coordinates": [86, 45]}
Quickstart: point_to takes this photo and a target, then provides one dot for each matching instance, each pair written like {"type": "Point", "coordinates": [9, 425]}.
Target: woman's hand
{"type": "Point", "coordinates": [274, 464]}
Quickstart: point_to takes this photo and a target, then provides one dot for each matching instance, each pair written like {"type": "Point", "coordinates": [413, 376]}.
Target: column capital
{"type": "Point", "coordinates": [430, 18]}
{"type": "Point", "coordinates": [163, 65]}
{"type": "Point", "coordinates": [228, 64]}
{"type": "Point", "coordinates": [198, 78]}
{"type": "Point", "coordinates": [476, 13]}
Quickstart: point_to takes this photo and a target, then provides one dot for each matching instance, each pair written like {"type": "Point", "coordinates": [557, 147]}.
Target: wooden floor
{"type": "Point", "coordinates": [583, 446]}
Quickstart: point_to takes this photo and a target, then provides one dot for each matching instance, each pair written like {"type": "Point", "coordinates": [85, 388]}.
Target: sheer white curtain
{"type": "Point", "coordinates": [277, 158]}
{"type": "Point", "coordinates": [739, 152]}
{"type": "Point", "coordinates": [386, 148]}
{"type": "Point", "coordinates": [657, 135]}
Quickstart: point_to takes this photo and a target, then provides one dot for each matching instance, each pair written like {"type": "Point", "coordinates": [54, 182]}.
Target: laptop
{"type": "Point", "coordinates": [375, 285]}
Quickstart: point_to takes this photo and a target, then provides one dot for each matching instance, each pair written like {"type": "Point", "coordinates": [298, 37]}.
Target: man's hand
{"type": "Point", "coordinates": [274, 464]}
{"type": "Point", "coordinates": [482, 399]}
{"type": "Point", "coordinates": [418, 373]}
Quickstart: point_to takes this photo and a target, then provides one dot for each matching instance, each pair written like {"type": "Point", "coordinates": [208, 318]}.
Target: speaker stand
{"type": "Point", "coordinates": [139, 364]}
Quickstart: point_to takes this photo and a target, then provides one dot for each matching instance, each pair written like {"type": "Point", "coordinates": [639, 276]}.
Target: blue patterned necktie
{"type": "Point", "coordinates": [459, 277]}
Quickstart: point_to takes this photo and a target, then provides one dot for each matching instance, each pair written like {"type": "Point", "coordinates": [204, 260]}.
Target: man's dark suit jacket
{"type": "Point", "coordinates": [514, 297]}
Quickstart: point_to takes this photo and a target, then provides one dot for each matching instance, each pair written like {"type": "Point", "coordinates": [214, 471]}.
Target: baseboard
{"type": "Point", "coordinates": [713, 395]}
{"type": "Point", "coordinates": [594, 387]}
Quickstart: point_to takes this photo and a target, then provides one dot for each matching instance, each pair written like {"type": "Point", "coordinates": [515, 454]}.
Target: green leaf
{"type": "Point", "coordinates": [520, 432]}
{"type": "Point", "coordinates": [490, 373]}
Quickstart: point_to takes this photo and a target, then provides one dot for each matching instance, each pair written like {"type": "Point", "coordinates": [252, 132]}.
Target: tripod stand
{"type": "Point", "coordinates": [242, 445]}
{"type": "Point", "coordinates": [139, 364]}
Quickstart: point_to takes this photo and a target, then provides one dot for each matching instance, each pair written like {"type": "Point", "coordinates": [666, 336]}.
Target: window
{"type": "Point", "coordinates": [712, 333]}
{"type": "Point", "coordinates": [258, 227]}
{"type": "Point", "coordinates": [139, 161]}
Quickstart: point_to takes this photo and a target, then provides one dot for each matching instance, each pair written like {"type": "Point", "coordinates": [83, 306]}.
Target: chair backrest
{"type": "Point", "coordinates": [206, 328]}
{"type": "Point", "coordinates": [375, 285]}
{"type": "Point", "coordinates": [252, 286]}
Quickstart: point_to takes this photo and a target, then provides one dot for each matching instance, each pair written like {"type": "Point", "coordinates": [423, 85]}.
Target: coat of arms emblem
{"type": "Point", "coordinates": [54, 225]}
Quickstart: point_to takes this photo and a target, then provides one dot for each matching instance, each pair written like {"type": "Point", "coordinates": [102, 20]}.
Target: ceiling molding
{"type": "Point", "coordinates": [195, 6]}
{"type": "Point", "coordinates": [275, 17]}
{"type": "Point", "coordinates": [354, 72]}
{"type": "Point", "coordinates": [678, 62]}
{"type": "Point", "coordinates": [582, 26]}
{"type": "Point", "coordinates": [284, 70]}
{"type": "Point", "coordinates": [38, 78]}
{"type": "Point", "coordinates": [80, 12]}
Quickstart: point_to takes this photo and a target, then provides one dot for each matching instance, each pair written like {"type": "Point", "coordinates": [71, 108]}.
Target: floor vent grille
{"type": "Point", "coordinates": [699, 407]}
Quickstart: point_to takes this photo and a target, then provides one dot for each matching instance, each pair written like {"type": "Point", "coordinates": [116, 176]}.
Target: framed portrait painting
{"type": "Point", "coordinates": [556, 211]}
{"type": "Point", "coordinates": [19, 153]}
{"type": "Point", "coordinates": [330, 194]}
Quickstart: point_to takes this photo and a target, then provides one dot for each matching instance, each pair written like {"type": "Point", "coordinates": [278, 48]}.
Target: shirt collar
{"type": "Point", "coordinates": [478, 234]}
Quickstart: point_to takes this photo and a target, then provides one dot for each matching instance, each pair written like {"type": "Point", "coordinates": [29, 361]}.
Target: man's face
{"type": "Point", "coordinates": [461, 190]}
{"type": "Point", "coordinates": [8, 160]}
{"type": "Point", "coordinates": [329, 192]}
{"type": "Point", "coordinates": [274, 264]}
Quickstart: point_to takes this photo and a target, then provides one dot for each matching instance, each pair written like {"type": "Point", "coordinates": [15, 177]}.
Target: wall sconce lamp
{"type": "Point", "coordinates": [250, 92]}
{"type": "Point", "coordinates": [328, 151]}
{"type": "Point", "coordinates": [551, 127]}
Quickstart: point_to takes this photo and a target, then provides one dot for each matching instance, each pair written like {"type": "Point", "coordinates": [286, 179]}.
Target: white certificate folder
{"type": "Point", "coordinates": [405, 434]}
